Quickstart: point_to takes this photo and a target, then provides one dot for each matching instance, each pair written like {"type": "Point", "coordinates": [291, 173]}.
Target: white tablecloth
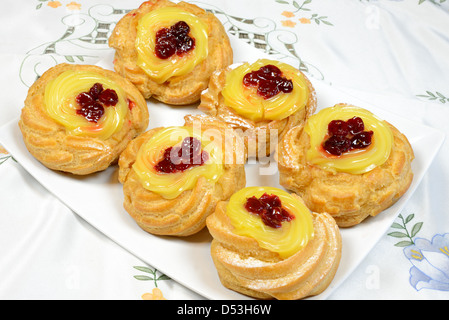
{"type": "Point", "coordinates": [385, 50]}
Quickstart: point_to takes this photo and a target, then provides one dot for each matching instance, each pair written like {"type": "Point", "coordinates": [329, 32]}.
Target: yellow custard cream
{"type": "Point", "coordinates": [355, 161]}
{"type": "Point", "coordinates": [246, 102]}
{"type": "Point", "coordinates": [171, 185]}
{"type": "Point", "coordinates": [160, 70]}
{"type": "Point", "coordinates": [60, 104]}
{"type": "Point", "coordinates": [286, 240]}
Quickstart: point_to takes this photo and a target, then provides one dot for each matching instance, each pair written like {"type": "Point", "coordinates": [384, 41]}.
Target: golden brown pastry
{"type": "Point", "coordinates": [267, 244]}
{"type": "Point", "coordinates": [347, 162]}
{"type": "Point", "coordinates": [261, 101]}
{"type": "Point", "coordinates": [173, 177]}
{"type": "Point", "coordinates": [169, 50]}
{"type": "Point", "coordinates": [79, 118]}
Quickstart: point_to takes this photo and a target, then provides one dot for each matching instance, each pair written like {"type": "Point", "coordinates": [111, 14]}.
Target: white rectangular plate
{"type": "Point", "coordinates": [98, 198]}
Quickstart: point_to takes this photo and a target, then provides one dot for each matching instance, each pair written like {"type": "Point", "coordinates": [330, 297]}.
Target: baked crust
{"type": "Point", "coordinates": [187, 213]}
{"type": "Point", "coordinates": [213, 103]}
{"type": "Point", "coordinates": [245, 267]}
{"type": "Point", "coordinates": [49, 142]}
{"type": "Point", "coordinates": [179, 90]}
{"type": "Point", "coordinates": [349, 198]}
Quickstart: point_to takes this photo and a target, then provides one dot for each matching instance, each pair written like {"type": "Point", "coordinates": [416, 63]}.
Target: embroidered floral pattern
{"type": "Point", "coordinates": [429, 259]}
{"type": "Point", "coordinates": [87, 39]}
{"type": "Point", "coordinates": [53, 4]}
{"type": "Point", "coordinates": [4, 156]}
{"type": "Point", "coordinates": [56, 4]}
{"type": "Point", "coordinates": [301, 9]}
{"type": "Point", "coordinates": [288, 23]}
{"type": "Point", "coordinates": [155, 295]}
{"type": "Point", "coordinates": [437, 2]}
{"type": "Point", "coordinates": [153, 275]}
{"type": "Point", "coordinates": [288, 14]}
{"type": "Point", "coordinates": [74, 6]}
{"type": "Point", "coordinates": [404, 233]}
{"type": "Point", "coordinates": [437, 96]}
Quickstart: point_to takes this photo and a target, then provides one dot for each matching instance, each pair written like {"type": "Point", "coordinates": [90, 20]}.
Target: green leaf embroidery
{"type": "Point", "coordinates": [416, 229]}
{"type": "Point", "coordinates": [397, 226]}
{"type": "Point", "coordinates": [153, 275]}
{"type": "Point", "coordinates": [398, 235]}
{"type": "Point", "coordinates": [302, 7]}
{"type": "Point", "coordinates": [434, 96]}
{"type": "Point", "coordinates": [409, 218]}
{"type": "Point", "coordinates": [3, 159]}
{"type": "Point", "coordinates": [163, 277]}
{"type": "Point", "coordinates": [143, 278]}
{"type": "Point", "coordinates": [144, 269]}
{"type": "Point", "coordinates": [69, 59]}
{"type": "Point", "coordinates": [40, 4]}
{"type": "Point", "coordinates": [404, 244]}
{"type": "Point", "coordinates": [432, 1]}
{"type": "Point", "coordinates": [406, 234]}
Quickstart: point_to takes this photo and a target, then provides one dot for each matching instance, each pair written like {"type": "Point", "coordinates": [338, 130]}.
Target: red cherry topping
{"type": "Point", "coordinates": [85, 99]}
{"type": "Point", "coordinates": [92, 112]}
{"type": "Point", "coordinates": [355, 125]}
{"type": "Point", "coordinates": [92, 103]}
{"type": "Point", "coordinates": [337, 145]}
{"type": "Point", "coordinates": [96, 89]}
{"type": "Point", "coordinates": [269, 81]}
{"type": "Point", "coordinates": [108, 97]}
{"type": "Point", "coordinates": [179, 159]}
{"type": "Point", "coordinates": [338, 128]}
{"type": "Point", "coordinates": [174, 40]}
{"type": "Point", "coordinates": [345, 136]}
{"type": "Point", "coordinates": [361, 140]}
{"type": "Point", "coordinates": [270, 210]}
